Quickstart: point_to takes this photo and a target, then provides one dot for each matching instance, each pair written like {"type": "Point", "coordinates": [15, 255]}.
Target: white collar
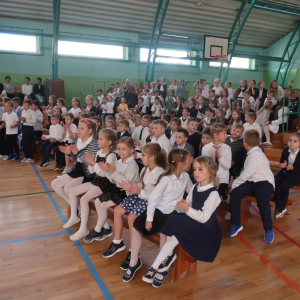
{"type": "Point", "coordinates": [294, 152]}
{"type": "Point", "coordinates": [252, 150]}
{"type": "Point", "coordinates": [160, 138]}
{"type": "Point", "coordinates": [86, 142]}
{"type": "Point", "coordinates": [127, 161]}
{"type": "Point", "coordinates": [213, 145]}
{"type": "Point", "coordinates": [204, 188]}
{"type": "Point", "coordinates": [182, 146]}
{"type": "Point", "coordinates": [174, 177]}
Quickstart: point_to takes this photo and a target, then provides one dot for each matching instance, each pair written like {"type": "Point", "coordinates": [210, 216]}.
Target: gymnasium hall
{"type": "Point", "coordinates": [149, 149]}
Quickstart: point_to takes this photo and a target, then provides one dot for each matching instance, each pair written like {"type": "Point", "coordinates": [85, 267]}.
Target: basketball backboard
{"type": "Point", "coordinates": [214, 45]}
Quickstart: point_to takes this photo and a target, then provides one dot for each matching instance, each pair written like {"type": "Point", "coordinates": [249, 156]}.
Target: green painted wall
{"type": "Point", "coordinates": [79, 72]}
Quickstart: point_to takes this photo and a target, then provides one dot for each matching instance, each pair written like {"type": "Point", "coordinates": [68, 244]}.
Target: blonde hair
{"type": "Point", "coordinates": [91, 97]}
{"type": "Point", "coordinates": [268, 104]}
{"type": "Point", "coordinates": [222, 117]}
{"type": "Point", "coordinates": [129, 112]}
{"type": "Point", "coordinates": [244, 110]}
{"type": "Point", "coordinates": [128, 141]}
{"type": "Point", "coordinates": [91, 125]}
{"type": "Point", "coordinates": [53, 97]}
{"type": "Point", "coordinates": [217, 128]}
{"type": "Point", "coordinates": [110, 135]}
{"type": "Point", "coordinates": [121, 116]}
{"type": "Point", "coordinates": [211, 166]}
{"type": "Point", "coordinates": [295, 134]}
{"type": "Point", "coordinates": [251, 137]}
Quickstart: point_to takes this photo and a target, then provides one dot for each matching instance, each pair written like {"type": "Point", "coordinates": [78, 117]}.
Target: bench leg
{"type": "Point", "coordinates": [184, 262]}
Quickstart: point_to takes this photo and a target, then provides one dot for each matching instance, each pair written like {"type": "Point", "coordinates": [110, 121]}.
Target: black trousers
{"type": "Point", "coordinates": [46, 149]}
{"type": "Point", "coordinates": [60, 157]}
{"type": "Point", "coordinates": [10, 95]}
{"type": "Point", "coordinates": [28, 141]}
{"type": "Point", "coordinates": [222, 188]}
{"type": "Point", "coordinates": [12, 143]}
{"type": "Point", "coordinates": [38, 135]}
{"type": "Point", "coordinates": [22, 96]}
{"type": "Point", "coordinates": [286, 180]}
{"type": "Point", "coordinates": [262, 191]}
{"type": "Point", "coordinates": [3, 142]}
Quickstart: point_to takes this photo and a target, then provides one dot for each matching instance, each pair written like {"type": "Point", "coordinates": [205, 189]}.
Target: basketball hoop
{"type": "Point", "coordinates": [221, 58]}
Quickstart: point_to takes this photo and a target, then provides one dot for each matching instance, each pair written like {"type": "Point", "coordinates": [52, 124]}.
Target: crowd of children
{"type": "Point", "coordinates": [169, 165]}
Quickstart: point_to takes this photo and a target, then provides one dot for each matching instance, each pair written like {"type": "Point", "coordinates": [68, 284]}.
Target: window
{"type": "Point", "coordinates": [236, 63]}
{"type": "Point", "coordinates": [178, 61]}
{"type": "Point", "coordinates": [91, 50]}
{"type": "Point", "coordinates": [18, 43]}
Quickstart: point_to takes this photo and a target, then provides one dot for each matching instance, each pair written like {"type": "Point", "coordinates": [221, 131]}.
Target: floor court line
{"type": "Point", "coordinates": [85, 257]}
{"type": "Point", "coordinates": [26, 194]}
{"type": "Point", "coordinates": [263, 259]}
{"type": "Point", "coordinates": [33, 238]}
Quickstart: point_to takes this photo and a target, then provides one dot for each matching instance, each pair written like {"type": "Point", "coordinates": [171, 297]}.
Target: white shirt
{"type": "Point", "coordinates": [136, 136]}
{"type": "Point", "coordinates": [292, 156]}
{"type": "Point", "coordinates": [55, 132]}
{"type": "Point", "coordinates": [26, 89]}
{"type": "Point", "coordinates": [256, 168]}
{"type": "Point", "coordinates": [39, 121]}
{"type": "Point", "coordinates": [3, 93]}
{"type": "Point", "coordinates": [2, 112]}
{"type": "Point", "coordinates": [110, 107]}
{"type": "Point", "coordinates": [156, 109]}
{"type": "Point", "coordinates": [167, 193]}
{"type": "Point", "coordinates": [205, 91]}
{"type": "Point", "coordinates": [224, 161]}
{"type": "Point", "coordinates": [263, 117]}
{"type": "Point", "coordinates": [274, 101]}
{"type": "Point", "coordinates": [111, 159]}
{"type": "Point", "coordinates": [184, 123]}
{"type": "Point", "coordinates": [230, 94]}
{"type": "Point", "coordinates": [104, 108]}
{"type": "Point", "coordinates": [255, 126]}
{"type": "Point", "coordinates": [252, 103]}
{"type": "Point", "coordinates": [280, 92]}
{"type": "Point", "coordinates": [228, 113]}
{"type": "Point", "coordinates": [173, 138]}
{"type": "Point", "coordinates": [100, 98]}
{"type": "Point", "coordinates": [63, 110]}
{"type": "Point", "coordinates": [75, 111]}
{"type": "Point", "coordinates": [207, 119]}
{"type": "Point", "coordinates": [67, 138]}
{"type": "Point", "coordinates": [150, 180]}
{"type": "Point", "coordinates": [122, 165]}
{"type": "Point", "coordinates": [163, 142]}
{"type": "Point", "coordinates": [218, 89]}
{"type": "Point", "coordinates": [228, 100]}
{"type": "Point", "coordinates": [210, 205]}
{"type": "Point", "coordinates": [161, 88]}
{"type": "Point", "coordinates": [146, 100]}
{"type": "Point", "coordinates": [30, 117]}
{"type": "Point", "coordinates": [10, 119]}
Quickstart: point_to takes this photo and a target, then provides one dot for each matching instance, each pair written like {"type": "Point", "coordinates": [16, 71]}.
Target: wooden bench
{"type": "Point", "coordinates": [184, 261]}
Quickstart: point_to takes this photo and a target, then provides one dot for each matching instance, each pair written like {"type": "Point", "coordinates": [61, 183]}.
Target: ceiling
{"type": "Point", "coordinates": [214, 17]}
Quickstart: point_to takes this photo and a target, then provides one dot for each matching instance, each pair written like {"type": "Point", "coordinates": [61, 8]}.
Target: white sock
{"type": "Point", "coordinates": [117, 241]}
{"type": "Point", "coordinates": [102, 215]}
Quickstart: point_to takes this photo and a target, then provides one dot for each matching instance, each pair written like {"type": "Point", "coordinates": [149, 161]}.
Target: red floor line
{"type": "Point", "coordinates": [264, 260]}
{"type": "Point", "coordinates": [277, 229]}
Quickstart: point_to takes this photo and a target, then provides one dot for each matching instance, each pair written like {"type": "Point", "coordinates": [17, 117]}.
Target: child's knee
{"type": "Point", "coordinates": [131, 219]}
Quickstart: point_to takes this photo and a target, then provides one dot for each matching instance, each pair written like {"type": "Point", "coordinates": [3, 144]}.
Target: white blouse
{"type": "Point", "coordinates": [111, 159]}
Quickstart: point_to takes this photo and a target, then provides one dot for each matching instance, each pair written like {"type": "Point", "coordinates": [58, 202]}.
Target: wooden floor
{"type": "Point", "coordinates": [53, 267]}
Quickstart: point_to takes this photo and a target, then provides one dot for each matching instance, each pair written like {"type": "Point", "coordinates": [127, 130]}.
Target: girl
{"type": "Point", "coordinates": [173, 86]}
{"type": "Point", "coordinates": [150, 136]}
{"type": "Point", "coordinates": [49, 110]}
{"type": "Point", "coordinates": [151, 90]}
{"type": "Point", "coordinates": [111, 124]}
{"type": "Point", "coordinates": [192, 108]}
{"type": "Point", "coordinates": [89, 99]}
{"type": "Point", "coordinates": [80, 172]}
{"type": "Point", "coordinates": [289, 174]}
{"type": "Point", "coordinates": [103, 107]}
{"type": "Point", "coordinates": [220, 116]}
{"type": "Point", "coordinates": [240, 94]}
{"type": "Point", "coordinates": [162, 87]}
{"type": "Point", "coordinates": [212, 105]}
{"type": "Point", "coordinates": [263, 114]}
{"type": "Point", "coordinates": [161, 205]}
{"type": "Point", "coordinates": [261, 95]}
{"type": "Point", "coordinates": [201, 108]}
{"type": "Point", "coordinates": [179, 107]}
{"type": "Point", "coordinates": [61, 103]}
{"type": "Point", "coordinates": [181, 88]}
{"type": "Point", "coordinates": [90, 190]}
{"type": "Point", "coordinates": [76, 110]}
{"type": "Point", "coordinates": [128, 116]}
{"type": "Point", "coordinates": [155, 162]}
{"type": "Point", "coordinates": [275, 125]}
{"type": "Point", "coordinates": [217, 87]}
{"type": "Point", "coordinates": [246, 110]}
{"type": "Point", "coordinates": [119, 117]}
{"type": "Point", "coordinates": [224, 94]}
{"type": "Point", "coordinates": [235, 119]}
{"type": "Point", "coordinates": [252, 89]}
{"type": "Point", "coordinates": [184, 118]}
{"type": "Point", "coordinates": [125, 169]}
{"type": "Point", "coordinates": [197, 231]}
{"type": "Point", "coordinates": [279, 93]}
{"type": "Point", "coordinates": [110, 106]}
{"type": "Point", "coordinates": [226, 109]}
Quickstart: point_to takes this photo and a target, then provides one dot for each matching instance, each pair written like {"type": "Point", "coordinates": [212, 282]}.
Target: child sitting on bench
{"type": "Point", "coordinates": [256, 180]}
{"type": "Point", "coordinates": [289, 174]}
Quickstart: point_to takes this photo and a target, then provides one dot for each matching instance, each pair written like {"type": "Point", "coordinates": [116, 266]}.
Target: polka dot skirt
{"type": "Point", "coordinates": [134, 205]}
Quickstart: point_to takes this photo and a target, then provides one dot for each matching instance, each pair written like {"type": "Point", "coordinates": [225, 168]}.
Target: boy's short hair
{"type": "Point", "coordinates": [147, 117]}
{"type": "Point", "coordinates": [206, 131]}
{"type": "Point", "coordinates": [28, 97]}
{"type": "Point", "coordinates": [208, 109]}
{"type": "Point", "coordinates": [10, 103]}
{"type": "Point", "coordinates": [167, 118]}
{"type": "Point", "coordinates": [229, 83]}
{"type": "Point", "coordinates": [217, 128]}
{"type": "Point", "coordinates": [84, 115]}
{"type": "Point", "coordinates": [177, 121]}
{"type": "Point", "coordinates": [98, 119]}
{"type": "Point", "coordinates": [252, 138]}
{"type": "Point", "coordinates": [15, 99]}
{"type": "Point", "coordinates": [55, 116]}
{"type": "Point", "coordinates": [27, 78]}
{"type": "Point", "coordinates": [199, 89]}
{"type": "Point", "coordinates": [36, 103]}
{"type": "Point", "coordinates": [212, 91]}
{"type": "Point", "coordinates": [271, 92]}
{"type": "Point", "coordinates": [40, 79]}
{"type": "Point", "coordinates": [187, 109]}
{"type": "Point", "coordinates": [130, 112]}
{"type": "Point", "coordinates": [239, 126]}
{"type": "Point", "coordinates": [28, 101]}
{"type": "Point", "coordinates": [100, 90]}
{"type": "Point", "coordinates": [202, 80]}
{"type": "Point", "coordinates": [247, 93]}
{"type": "Point", "coordinates": [92, 114]}
{"type": "Point", "coordinates": [184, 131]}
{"type": "Point", "coordinates": [191, 119]}
{"type": "Point", "coordinates": [124, 122]}
{"type": "Point", "coordinates": [156, 98]}
{"type": "Point", "coordinates": [252, 115]}
{"type": "Point", "coordinates": [120, 115]}
{"type": "Point", "coordinates": [70, 115]}
{"type": "Point", "coordinates": [162, 123]}
{"type": "Point", "coordinates": [136, 117]}
{"type": "Point", "coordinates": [141, 98]}
{"type": "Point", "coordinates": [57, 107]}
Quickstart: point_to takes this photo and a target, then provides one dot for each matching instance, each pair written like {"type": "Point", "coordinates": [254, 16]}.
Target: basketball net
{"type": "Point", "coordinates": [221, 58]}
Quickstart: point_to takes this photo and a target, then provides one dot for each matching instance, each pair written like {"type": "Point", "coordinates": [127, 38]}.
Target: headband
{"type": "Point", "coordinates": [87, 122]}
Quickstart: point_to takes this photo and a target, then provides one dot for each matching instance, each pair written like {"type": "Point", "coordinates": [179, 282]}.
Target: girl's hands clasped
{"type": "Point", "coordinates": [90, 158]}
{"type": "Point", "coordinates": [183, 205]}
{"type": "Point", "coordinates": [65, 149]}
{"type": "Point", "coordinates": [107, 167]}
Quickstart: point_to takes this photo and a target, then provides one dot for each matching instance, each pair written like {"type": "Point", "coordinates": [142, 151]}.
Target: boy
{"type": "Point", "coordinates": [27, 90]}
{"type": "Point", "coordinates": [97, 120]}
{"type": "Point", "coordinates": [221, 153]}
{"type": "Point", "coordinates": [141, 132]}
{"type": "Point", "coordinates": [227, 86]}
{"type": "Point", "coordinates": [83, 116]}
{"type": "Point", "coordinates": [208, 118]}
{"type": "Point", "coordinates": [194, 138]}
{"type": "Point", "coordinates": [256, 180]}
{"type": "Point", "coordinates": [174, 125]}
{"type": "Point", "coordinates": [251, 124]}
{"type": "Point", "coordinates": [38, 127]}
{"type": "Point", "coordinates": [205, 139]}
{"type": "Point", "coordinates": [51, 140]}
{"type": "Point", "coordinates": [167, 118]}
{"type": "Point", "coordinates": [137, 121]}
{"type": "Point", "coordinates": [28, 119]}
{"type": "Point", "coordinates": [185, 117]}
{"type": "Point", "coordinates": [140, 108]}
{"type": "Point", "coordinates": [18, 110]}
{"type": "Point", "coordinates": [3, 146]}
{"type": "Point", "coordinates": [97, 103]}
{"type": "Point", "coordinates": [11, 120]}
{"type": "Point", "coordinates": [122, 106]}
{"type": "Point", "coordinates": [156, 94]}
{"type": "Point", "coordinates": [203, 86]}
{"type": "Point", "coordinates": [156, 109]}
{"type": "Point", "coordinates": [212, 97]}
{"type": "Point", "coordinates": [100, 96]}
{"type": "Point", "coordinates": [123, 129]}
{"type": "Point", "coordinates": [247, 96]}
{"type": "Point", "coordinates": [39, 90]}
{"type": "Point", "coordinates": [159, 128]}
{"type": "Point", "coordinates": [235, 143]}
{"type": "Point", "coordinates": [146, 97]}
{"type": "Point", "coordinates": [68, 137]}
{"type": "Point", "coordinates": [182, 136]}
